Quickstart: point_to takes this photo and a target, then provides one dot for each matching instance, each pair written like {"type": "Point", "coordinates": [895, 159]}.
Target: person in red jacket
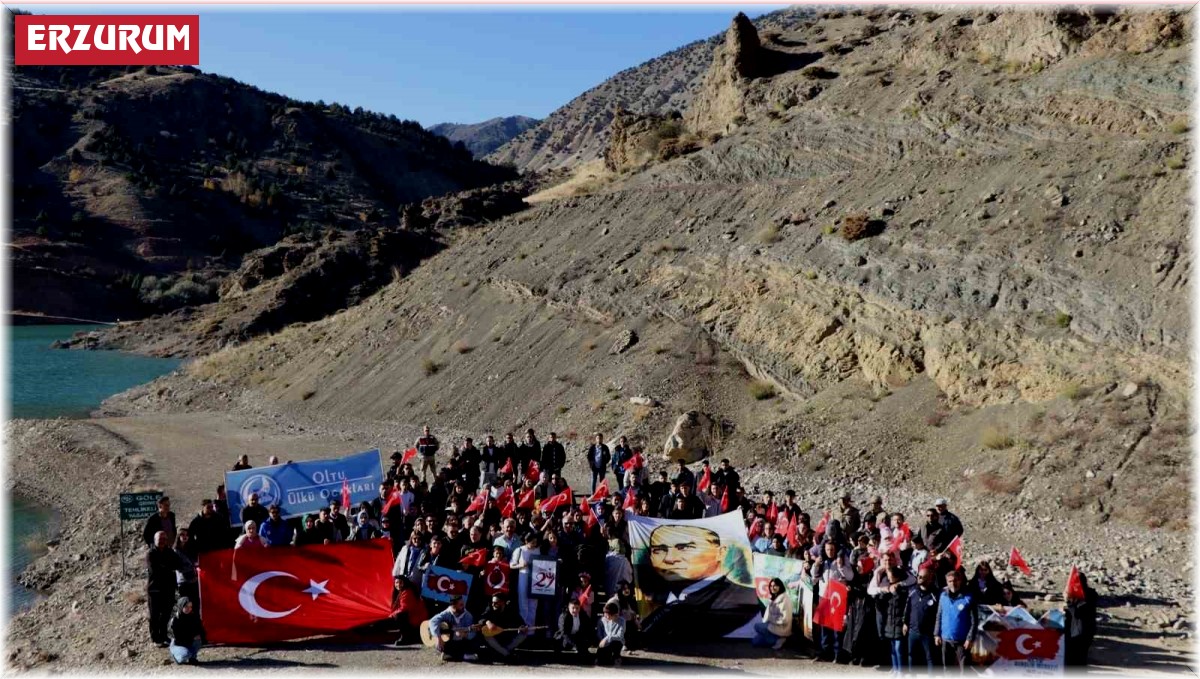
{"type": "Point", "coordinates": [408, 610]}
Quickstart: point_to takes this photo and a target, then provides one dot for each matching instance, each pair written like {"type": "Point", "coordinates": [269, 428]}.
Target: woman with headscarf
{"type": "Point", "coordinates": [187, 633]}
{"type": "Point", "coordinates": [364, 529]}
{"type": "Point", "coordinates": [250, 537]}
{"type": "Point", "coordinates": [628, 607]}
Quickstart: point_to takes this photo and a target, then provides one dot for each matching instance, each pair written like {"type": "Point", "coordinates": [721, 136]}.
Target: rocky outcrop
{"type": "Point", "coordinates": [691, 439]}
{"type": "Point", "coordinates": [722, 98]}
{"type": "Point", "coordinates": [636, 139]}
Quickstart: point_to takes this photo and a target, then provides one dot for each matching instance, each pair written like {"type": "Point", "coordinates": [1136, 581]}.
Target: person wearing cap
{"type": "Point", "coordinates": [951, 525]}
{"type": "Point", "coordinates": [501, 616]}
{"type": "Point", "coordinates": [876, 507]}
{"type": "Point", "coordinates": [458, 623]}
{"type": "Point", "coordinates": [187, 633]}
{"type": "Point", "coordinates": [850, 515]}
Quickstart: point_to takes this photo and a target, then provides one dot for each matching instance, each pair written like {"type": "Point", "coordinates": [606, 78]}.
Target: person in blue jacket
{"type": "Point", "coordinates": [956, 622]}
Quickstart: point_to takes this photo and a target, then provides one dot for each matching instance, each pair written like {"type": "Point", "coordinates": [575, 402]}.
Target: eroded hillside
{"type": "Point", "coordinates": [956, 245]}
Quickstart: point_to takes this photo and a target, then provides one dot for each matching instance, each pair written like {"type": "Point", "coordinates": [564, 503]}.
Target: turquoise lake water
{"type": "Point", "coordinates": [60, 383]}
{"type": "Point", "coordinates": [49, 383]}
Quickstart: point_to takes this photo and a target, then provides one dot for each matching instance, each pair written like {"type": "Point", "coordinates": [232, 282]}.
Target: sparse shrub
{"type": "Point", "coordinates": [762, 390]}
{"type": "Point", "coordinates": [804, 446]}
{"type": "Point", "coordinates": [995, 483]}
{"type": "Point", "coordinates": [1176, 163]}
{"type": "Point", "coordinates": [1075, 497]}
{"type": "Point", "coordinates": [769, 234]}
{"type": "Point", "coordinates": [1073, 391]}
{"type": "Point", "coordinates": [308, 394]}
{"type": "Point", "coordinates": [462, 347]}
{"type": "Point", "coordinates": [430, 367]}
{"type": "Point", "coordinates": [828, 230]}
{"type": "Point", "coordinates": [641, 413]}
{"type": "Point", "coordinates": [1178, 126]}
{"type": "Point", "coordinates": [857, 226]}
{"type": "Point", "coordinates": [996, 439]}
{"type": "Point", "coordinates": [810, 275]}
{"type": "Point", "coordinates": [1062, 320]}
{"type": "Point", "coordinates": [590, 345]}
{"type": "Point", "coordinates": [563, 410]}
{"type": "Point", "coordinates": [661, 350]}
{"type": "Point", "coordinates": [818, 73]}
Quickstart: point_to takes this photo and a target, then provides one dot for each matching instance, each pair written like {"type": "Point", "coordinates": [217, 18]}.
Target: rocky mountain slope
{"type": "Point", "coordinates": [136, 190]}
{"type": "Point", "coordinates": [923, 219]}
{"type": "Point", "coordinates": [910, 253]}
{"type": "Point", "coordinates": [579, 131]}
{"type": "Point", "coordinates": [483, 138]}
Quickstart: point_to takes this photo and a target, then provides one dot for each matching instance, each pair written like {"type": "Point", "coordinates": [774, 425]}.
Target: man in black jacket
{"type": "Point", "coordinates": [502, 616]}
{"type": "Point", "coordinates": [726, 477]}
{"type": "Point", "coordinates": [492, 457]}
{"type": "Point", "coordinates": [471, 460]}
{"type": "Point", "coordinates": [554, 456]}
{"type": "Point", "coordinates": [164, 521]}
{"type": "Point", "coordinates": [254, 511]}
{"type": "Point", "coordinates": [920, 614]}
{"type": "Point", "coordinates": [209, 530]}
{"type": "Point", "coordinates": [667, 503]}
{"type": "Point", "coordinates": [509, 450]}
{"type": "Point", "coordinates": [161, 564]}
{"type": "Point", "coordinates": [598, 457]}
{"type": "Point", "coordinates": [622, 453]}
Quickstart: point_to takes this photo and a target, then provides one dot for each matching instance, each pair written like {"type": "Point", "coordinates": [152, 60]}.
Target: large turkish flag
{"type": "Point", "coordinates": [252, 596]}
{"type": "Point", "coordinates": [831, 607]}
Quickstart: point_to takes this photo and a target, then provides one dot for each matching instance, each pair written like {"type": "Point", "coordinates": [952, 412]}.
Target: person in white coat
{"type": "Point", "coordinates": [776, 624]}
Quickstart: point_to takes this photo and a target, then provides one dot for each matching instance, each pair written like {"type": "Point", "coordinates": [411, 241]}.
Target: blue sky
{"type": "Point", "coordinates": [436, 65]}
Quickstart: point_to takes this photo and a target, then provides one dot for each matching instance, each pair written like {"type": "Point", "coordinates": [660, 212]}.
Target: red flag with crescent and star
{"type": "Point", "coordinates": [1075, 585]}
{"type": "Point", "coordinates": [956, 548]}
{"type": "Point", "coordinates": [831, 607]}
{"type": "Point", "coordinates": [527, 499]}
{"type": "Point", "coordinates": [534, 473]}
{"type": "Point", "coordinates": [496, 577]}
{"type": "Point", "coordinates": [508, 467]}
{"type": "Point", "coordinates": [280, 594]}
{"type": "Point", "coordinates": [555, 501]}
{"type": "Point", "coordinates": [601, 491]}
{"type": "Point", "coordinates": [476, 558]}
{"type": "Point", "coordinates": [1023, 644]}
{"type": "Point", "coordinates": [477, 504]}
{"type": "Point", "coordinates": [705, 480]}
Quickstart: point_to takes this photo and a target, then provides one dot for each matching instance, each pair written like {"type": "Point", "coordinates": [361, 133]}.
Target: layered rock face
{"type": "Point", "coordinates": [722, 96]}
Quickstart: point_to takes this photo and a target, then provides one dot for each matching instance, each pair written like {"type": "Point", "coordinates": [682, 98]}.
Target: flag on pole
{"type": "Point", "coordinates": [822, 524]}
{"type": "Point", "coordinates": [725, 501]}
{"type": "Point", "coordinates": [534, 472]}
{"type": "Point", "coordinates": [476, 558]}
{"type": "Point", "coordinates": [601, 491]}
{"type": "Point", "coordinates": [705, 480]}
{"type": "Point", "coordinates": [508, 467]}
{"type": "Point", "coordinates": [408, 456]}
{"type": "Point", "coordinates": [555, 501]}
{"type": "Point", "coordinates": [831, 607]}
{"type": "Point", "coordinates": [1075, 585]}
{"type": "Point", "coordinates": [956, 548]}
{"type": "Point", "coordinates": [345, 495]}
{"type": "Point", "coordinates": [1016, 560]}
{"type": "Point", "coordinates": [477, 504]}
{"type": "Point", "coordinates": [527, 500]}
{"type": "Point", "coordinates": [630, 498]}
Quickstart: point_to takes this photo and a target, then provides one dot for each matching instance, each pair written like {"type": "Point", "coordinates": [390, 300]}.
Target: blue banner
{"type": "Point", "coordinates": [303, 487]}
{"type": "Point", "coordinates": [442, 583]}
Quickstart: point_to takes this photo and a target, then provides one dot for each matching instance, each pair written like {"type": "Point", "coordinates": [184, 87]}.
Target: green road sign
{"type": "Point", "coordinates": [137, 506]}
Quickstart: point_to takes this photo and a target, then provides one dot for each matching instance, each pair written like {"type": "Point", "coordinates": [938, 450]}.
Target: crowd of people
{"type": "Point", "coordinates": [911, 605]}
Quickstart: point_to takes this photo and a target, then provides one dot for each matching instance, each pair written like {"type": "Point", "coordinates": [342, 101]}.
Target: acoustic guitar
{"type": "Point", "coordinates": [445, 633]}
